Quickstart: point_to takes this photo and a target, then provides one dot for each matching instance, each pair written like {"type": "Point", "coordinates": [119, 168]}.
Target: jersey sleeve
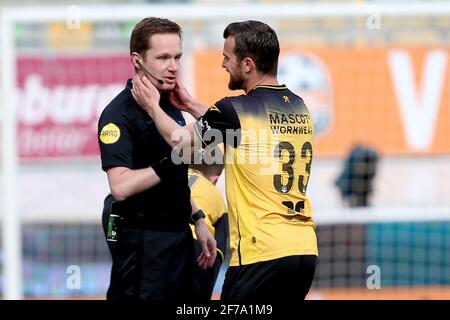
{"type": "Point", "coordinates": [114, 138]}
{"type": "Point", "coordinates": [221, 120]}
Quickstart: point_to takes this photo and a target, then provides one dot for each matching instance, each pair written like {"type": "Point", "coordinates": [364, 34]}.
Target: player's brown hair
{"type": "Point", "coordinates": [256, 40]}
{"type": "Point", "coordinates": [208, 166]}
{"type": "Point", "coordinates": [208, 170]}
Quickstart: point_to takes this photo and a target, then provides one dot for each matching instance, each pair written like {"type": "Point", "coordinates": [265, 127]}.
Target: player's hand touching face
{"type": "Point", "coordinates": [180, 97]}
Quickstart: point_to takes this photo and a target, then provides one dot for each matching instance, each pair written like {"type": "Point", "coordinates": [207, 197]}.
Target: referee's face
{"type": "Point", "coordinates": [163, 59]}
{"type": "Point", "coordinates": [232, 64]}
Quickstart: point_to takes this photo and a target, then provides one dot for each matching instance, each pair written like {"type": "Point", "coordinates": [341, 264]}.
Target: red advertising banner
{"type": "Point", "coordinates": [60, 100]}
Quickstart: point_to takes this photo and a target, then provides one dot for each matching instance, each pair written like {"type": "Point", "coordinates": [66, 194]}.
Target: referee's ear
{"type": "Point", "coordinates": [135, 59]}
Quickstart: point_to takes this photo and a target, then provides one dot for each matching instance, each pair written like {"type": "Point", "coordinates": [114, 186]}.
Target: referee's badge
{"type": "Point", "coordinates": [110, 134]}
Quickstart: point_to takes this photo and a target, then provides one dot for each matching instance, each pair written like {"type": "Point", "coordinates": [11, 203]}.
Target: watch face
{"type": "Point", "coordinates": [198, 215]}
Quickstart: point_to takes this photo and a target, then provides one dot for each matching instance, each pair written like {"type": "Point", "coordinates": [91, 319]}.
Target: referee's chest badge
{"type": "Point", "coordinates": [110, 134]}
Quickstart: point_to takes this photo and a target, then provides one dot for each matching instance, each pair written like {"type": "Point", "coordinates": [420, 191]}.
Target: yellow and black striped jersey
{"type": "Point", "coordinates": [269, 150]}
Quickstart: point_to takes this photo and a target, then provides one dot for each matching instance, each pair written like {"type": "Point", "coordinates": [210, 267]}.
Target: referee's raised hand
{"type": "Point", "coordinates": [145, 93]}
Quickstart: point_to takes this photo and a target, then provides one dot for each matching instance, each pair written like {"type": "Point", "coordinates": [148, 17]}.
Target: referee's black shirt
{"type": "Point", "coordinates": [128, 138]}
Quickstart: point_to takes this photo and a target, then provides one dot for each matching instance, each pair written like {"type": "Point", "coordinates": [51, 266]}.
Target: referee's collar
{"type": "Point", "coordinates": [129, 85]}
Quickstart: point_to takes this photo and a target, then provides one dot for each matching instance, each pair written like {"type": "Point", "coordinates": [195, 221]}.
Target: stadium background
{"type": "Point", "coordinates": [372, 80]}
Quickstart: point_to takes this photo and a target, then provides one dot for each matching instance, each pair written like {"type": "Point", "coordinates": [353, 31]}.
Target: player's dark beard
{"type": "Point", "coordinates": [235, 83]}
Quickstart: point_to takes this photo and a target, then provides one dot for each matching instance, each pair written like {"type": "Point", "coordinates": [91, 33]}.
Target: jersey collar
{"type": "Point", "coordinates": [280, 87]}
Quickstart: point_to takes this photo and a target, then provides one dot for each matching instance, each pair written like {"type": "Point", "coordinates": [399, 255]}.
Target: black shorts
{"type": "Point", "coordinates": [150, 264]}
{"type": "Point", "coordinates": [283, 279]}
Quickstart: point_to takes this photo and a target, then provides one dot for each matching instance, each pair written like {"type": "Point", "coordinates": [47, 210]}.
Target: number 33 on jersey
{"type": "Point", "coordinates": [268, 164]}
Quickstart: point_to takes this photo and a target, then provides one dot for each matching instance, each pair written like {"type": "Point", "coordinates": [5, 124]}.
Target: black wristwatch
{"type": "Point", "coordinates": [196, 216]}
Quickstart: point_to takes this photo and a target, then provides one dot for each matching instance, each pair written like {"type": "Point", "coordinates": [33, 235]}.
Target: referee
{"type": "Point", "coordinates": [147, 229]}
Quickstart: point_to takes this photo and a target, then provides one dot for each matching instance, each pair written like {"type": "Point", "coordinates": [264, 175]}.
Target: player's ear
{"type": "Point", "coordinates": [248, 64]}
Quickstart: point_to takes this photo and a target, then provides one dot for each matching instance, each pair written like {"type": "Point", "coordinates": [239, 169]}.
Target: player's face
{"type": "Point", "coordinates": [232, 64]}
{"type": "Point", "coordinates": [163, 59]}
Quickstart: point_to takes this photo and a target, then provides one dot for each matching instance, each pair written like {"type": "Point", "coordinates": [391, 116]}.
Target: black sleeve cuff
{"type": "Point", "coordinates": [163, 168]}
